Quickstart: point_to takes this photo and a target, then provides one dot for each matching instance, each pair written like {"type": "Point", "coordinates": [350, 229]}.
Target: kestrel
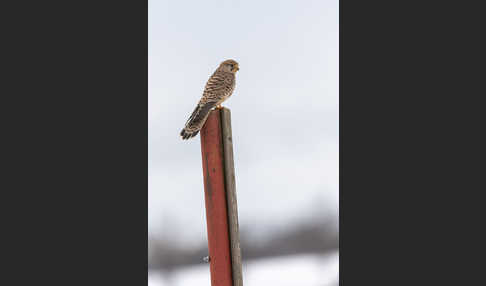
{"type": "Point", "coordinates": [219, 87]}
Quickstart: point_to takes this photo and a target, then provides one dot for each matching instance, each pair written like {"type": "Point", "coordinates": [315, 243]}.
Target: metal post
{"type": "Point", "coordinates": [220, 200]}
{"type": "Point", "coordinates": [230, 184]}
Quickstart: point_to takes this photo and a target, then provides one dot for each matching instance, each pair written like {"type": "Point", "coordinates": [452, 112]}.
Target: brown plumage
{"type": "Point", "coordinates": [219, 87]}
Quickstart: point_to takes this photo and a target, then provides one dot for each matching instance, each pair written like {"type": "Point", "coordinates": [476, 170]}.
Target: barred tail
{"type": "Point", "coordinates": [197, 119]}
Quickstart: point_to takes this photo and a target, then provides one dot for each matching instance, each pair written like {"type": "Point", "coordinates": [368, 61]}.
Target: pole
{"type": "Point", "coordinates": [220, 200]}
{"type": "Point", "coordinates": [230, 184]}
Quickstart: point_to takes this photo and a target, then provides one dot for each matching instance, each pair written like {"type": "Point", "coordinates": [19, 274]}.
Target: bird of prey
{"type": "Point", "coordinates": [219, 87]}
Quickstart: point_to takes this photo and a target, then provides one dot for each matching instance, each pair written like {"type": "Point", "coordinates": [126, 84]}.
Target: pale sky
{"type": "Point", "coordinates": [284, 108]}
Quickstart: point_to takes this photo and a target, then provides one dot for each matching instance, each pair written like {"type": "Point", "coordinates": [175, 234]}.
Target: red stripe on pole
{"type": "Point", "coordinates": [215, 199]}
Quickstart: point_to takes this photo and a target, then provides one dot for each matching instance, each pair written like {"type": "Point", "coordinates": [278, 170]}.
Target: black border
{"type": "Point", "coordinates": [74, 196]}
{"type": "Point", "coordinates": [408, 131]}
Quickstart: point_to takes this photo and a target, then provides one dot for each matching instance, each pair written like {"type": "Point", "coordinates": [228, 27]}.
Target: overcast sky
{"type": "Point", "coordinates": [284, 108]}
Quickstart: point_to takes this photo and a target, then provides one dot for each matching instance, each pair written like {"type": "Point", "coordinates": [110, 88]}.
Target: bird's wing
{"type": "Point", "coordinates": [200, 113]}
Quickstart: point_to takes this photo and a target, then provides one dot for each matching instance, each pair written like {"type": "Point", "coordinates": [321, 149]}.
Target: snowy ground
{"type": "Point", "coordinates": [302, 270]}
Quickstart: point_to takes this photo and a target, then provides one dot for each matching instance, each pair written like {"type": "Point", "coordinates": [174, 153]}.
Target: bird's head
{"type": "Point", "coordinates": [229, 66]}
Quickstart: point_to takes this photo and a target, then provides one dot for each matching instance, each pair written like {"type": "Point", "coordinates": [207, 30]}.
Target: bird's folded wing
{"type": "Point", "coordinates": [200, 113]}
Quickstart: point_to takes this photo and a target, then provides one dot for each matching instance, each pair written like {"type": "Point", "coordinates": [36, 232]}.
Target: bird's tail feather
{"type": "Point", "coordinates": [186, 135]}
{"type": "Point", "coordinates": [197, 120]}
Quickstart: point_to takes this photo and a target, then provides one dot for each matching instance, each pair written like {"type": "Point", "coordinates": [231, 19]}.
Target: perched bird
{"type": "Point", "coordinates": [219, 87]}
